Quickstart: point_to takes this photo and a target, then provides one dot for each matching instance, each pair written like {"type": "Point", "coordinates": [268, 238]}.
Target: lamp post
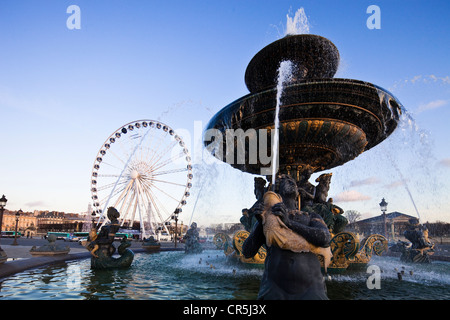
{"type": "Point", "coordinates": [383, 207]}
{"type": "Point", "coordinates": [175, 217]}
{"type": "Point", "coordinates": [93, 219]}
{"type": "Point", "coordinates": [3, 201]}
{"type": "Point", "coordinates": [17, 222]}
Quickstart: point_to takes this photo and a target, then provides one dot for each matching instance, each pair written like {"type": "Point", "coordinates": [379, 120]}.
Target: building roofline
{"type": "Point", "coordinates": [390, 215]}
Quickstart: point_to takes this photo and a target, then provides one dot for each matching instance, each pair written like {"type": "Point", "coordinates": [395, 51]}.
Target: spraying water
{"type": "Point", "coordinates": [402, 178]}
{"type": "Point", "coordinates": [298, 24]}
{"type": "Point", "coordinates": [294, 25]}
{"type": "Point", "coordinates": [284, 76]}
{"type": "Point", "coordinates": [416, 143]}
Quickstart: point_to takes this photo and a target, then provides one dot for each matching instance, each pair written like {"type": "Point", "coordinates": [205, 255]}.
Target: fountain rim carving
{"type": "Point", "coordinates": [373, 102]}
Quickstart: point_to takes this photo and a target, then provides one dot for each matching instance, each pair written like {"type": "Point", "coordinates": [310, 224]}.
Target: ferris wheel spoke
{"type": "Point", "coordinates": [110, 185]}
{"type": "Point", "coordinates": [109, 175]}
{"type": "Point", "coordinates": [157, 147]}
{"type": "Point", "coordinates": [125, 200]}
{"type": "Point", "coordinates": [127, 153]}
{"type": "Point", "coordinates": [116, 156]}
{"type": "Point", "coordinates": [149, 192]}
{"type": "Point", "coordinates": [124, 193]}
{"type": "Point", "coordinates": [160, 207]}
{"type": "Point", "coordinates": [164, 152]}
{"type": "Point", "coordinates": [153, 201]}
{"type": "Point", "coordinates": [112, 166]}
{"type": "Point", "coordinates": [104, 200]}
{"type": "Point", "coordinates": [127, 210]}
{"type": "Point", "coordinates": [134, 209]}
{"type": "Point", "coordinates": [149, 207]}
{"type": "Point", "coordinates": [144, 212]}
{"type": "Point", "coordinates": [167, 161]}
{"type": "Point", "coordinates": [154, 174]}
{"type": "Point", "coordinates": [172, 183]}
{"type": "Point", "coordinates": [149, 139]}
{"type": "Point", "coordinates": [167, 194]}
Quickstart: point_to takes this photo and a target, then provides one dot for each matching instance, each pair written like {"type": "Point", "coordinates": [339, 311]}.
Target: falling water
{"type": "Point", "coordinates": [284, 76]}
{"type": "Point", "coordinates": [405, 184]}
{"type": "Point", "coordinates": [416, 141]}
{"type": "Point", "coordinates": [298, 24]}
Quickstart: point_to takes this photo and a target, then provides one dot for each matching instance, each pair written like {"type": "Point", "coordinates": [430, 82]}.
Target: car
{"type": "Point", "coordinates": [10, 234]}
{"type": "Point", "coordinates": [82, 241]}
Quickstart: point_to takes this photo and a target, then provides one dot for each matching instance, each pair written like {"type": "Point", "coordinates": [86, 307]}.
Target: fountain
{"type": "Point", "coordinates": [50, 249]}
{"type": "Point", "coordinates": [101, 245]}
{"type": "Point", "coordinates": [192, 237]}
{"type": "Point", "coordinates": [151, 244]}
{"type": "Point", "coordinates": [324, 121]}
{"type": "Point", "coordinates": [312, 122]}
{"type": "Point", "coordinates": [419, 249]}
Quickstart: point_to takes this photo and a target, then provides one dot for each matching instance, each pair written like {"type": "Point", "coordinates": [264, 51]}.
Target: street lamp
{"type": "Point", "coordinates": [93, 219]}
{"type": "Point", "coordinates": [17, 222]}
{"type": "Point", "coordinates": [175, 217]}
{"type": "Point", "coordinates": [383, 207]}
{"type": "Point", "coordinates": [3, 201]}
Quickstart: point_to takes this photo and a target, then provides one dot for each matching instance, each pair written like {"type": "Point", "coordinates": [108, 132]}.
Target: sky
{"type": "Point", "coordinates": [64, 90]}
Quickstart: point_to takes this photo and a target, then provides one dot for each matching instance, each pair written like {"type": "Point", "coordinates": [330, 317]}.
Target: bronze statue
{"type": "Point", "coordinates": [306, 189]}
{"type": "Point", "coordinates": [101, 245]}
{"type": "Point", "coordinates": [322, 188]}
{"type": "Point", "coordinates": [192, 237]}
{"type": "Point", "coordinates": [289, 274]}
{"type": "Point", "coordinates": [420, 249]}
{"type": "Point", "coordinates": [50, 249]}
{"type": "Point", "coordinates": [248, 215]}
{"type": "Point", "coordinates": [330, 213]}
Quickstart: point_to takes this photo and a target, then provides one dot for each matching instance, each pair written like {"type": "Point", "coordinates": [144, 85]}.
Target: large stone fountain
{"type": "Point", "coordinates": [324, 121]}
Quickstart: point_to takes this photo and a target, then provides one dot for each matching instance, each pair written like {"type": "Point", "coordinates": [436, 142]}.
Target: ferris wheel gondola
{"type": "Point", "coordinates": [144, 170]}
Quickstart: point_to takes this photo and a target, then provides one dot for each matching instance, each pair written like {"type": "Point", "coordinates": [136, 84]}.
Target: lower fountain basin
{"type": "Point", "coordinates": [323, 123]}
{"type": "Point", "coordinates": [177, 276]}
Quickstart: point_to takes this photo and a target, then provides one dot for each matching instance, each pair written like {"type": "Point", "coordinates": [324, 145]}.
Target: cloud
{"type": "Point", "coordinates": [395, 184]}
{"type": "Point", "coordinates": [350, 196]}
{"type": "Point", "coordinates": [445, 162]}
{"type": "Point", "coordinates": [36, 204]}
{"type": "Point", "coordinates": [368, 181]}
{"type": "Point", "coordinates": [432, 105]}
{"type": "Point", "coordinates": [431, 78]}
{"type": "Point", "coordinates": [415, 79]}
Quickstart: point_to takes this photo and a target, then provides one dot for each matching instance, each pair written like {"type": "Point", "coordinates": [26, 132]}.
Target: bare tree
{"type": "Point", "coordinates": [352, 216]}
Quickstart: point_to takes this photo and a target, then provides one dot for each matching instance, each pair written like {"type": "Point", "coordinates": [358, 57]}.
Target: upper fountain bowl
{"type": "Point", "coordinates": [315, 57]}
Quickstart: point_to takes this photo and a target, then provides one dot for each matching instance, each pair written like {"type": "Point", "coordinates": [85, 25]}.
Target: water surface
{"type": "Point", "coordinates": [210, 276]}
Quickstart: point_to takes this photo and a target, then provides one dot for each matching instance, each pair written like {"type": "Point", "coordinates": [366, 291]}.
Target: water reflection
{"type": "Point", "coordinates": [419, 282]}
{"type": "Point", "coordinates": [209, 275]}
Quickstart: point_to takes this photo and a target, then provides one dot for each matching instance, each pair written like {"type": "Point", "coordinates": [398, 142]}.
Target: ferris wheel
{"type": "Point", "coordinates": [143, 170]}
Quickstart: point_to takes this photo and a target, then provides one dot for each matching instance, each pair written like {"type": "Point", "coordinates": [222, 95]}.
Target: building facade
{"type": "Point", "coordinates": [396, 224]}
{"type": "Point", "coordinates": [32, 223]}
{"type": "Point", "coordinates": [26, 224]}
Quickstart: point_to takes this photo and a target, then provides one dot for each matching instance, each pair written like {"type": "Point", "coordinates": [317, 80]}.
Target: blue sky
{"type": "Point", "coordinates": [63, 92]}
